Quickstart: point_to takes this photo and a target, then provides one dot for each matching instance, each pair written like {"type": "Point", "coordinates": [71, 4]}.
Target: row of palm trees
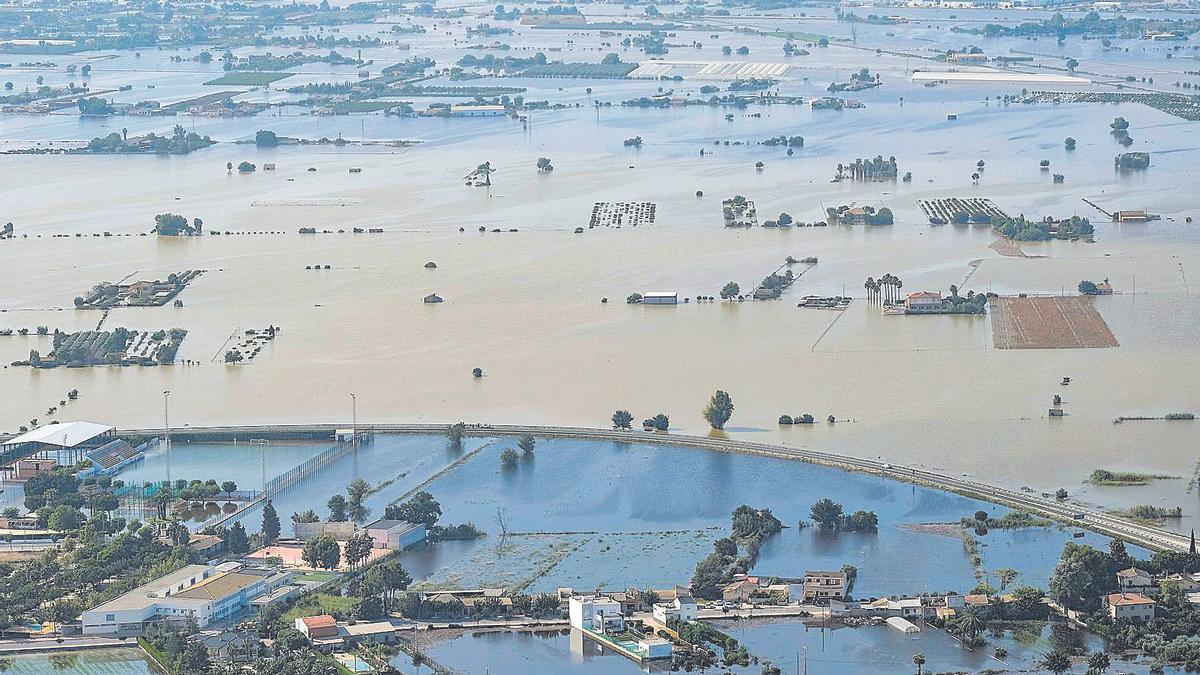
{"type": "Point", "coordinates": [885, 289]}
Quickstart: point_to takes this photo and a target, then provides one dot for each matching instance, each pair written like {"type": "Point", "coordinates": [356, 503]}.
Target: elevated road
{"type": "Point", "coordinates": [1148, 536]}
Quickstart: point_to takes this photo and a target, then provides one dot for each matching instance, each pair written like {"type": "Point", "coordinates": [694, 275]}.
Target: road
{"type": "Point", "coordinates": [1080, 516]}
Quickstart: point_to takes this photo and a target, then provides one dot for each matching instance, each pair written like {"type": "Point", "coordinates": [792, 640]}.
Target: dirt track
{"type": "Point", "coordinates": [1069, 322]}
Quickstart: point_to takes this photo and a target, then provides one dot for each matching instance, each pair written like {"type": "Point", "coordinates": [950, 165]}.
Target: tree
{"type": "Point", "coordinates": [455, 433]}
{"type": "Point", "coordinates": [1056, 662]}
{"type": "Point", "coordinates": [270, 524]}
{"type": "Point", "coordinates": [660, 422]}
{"type": "Point", "coordinates": [65, 517]}
{"type": "Point", "coordinates": [970, 624]}
{"type": "Point", "coordinates": [826, 512]}
{"type": "Point", "coordinates": [337, 509]}
{"type": "Point", "coordinates": [544, 165]}
{"type": "Point", "coordinates": [526, 443]}
{"type": "Point", "coordinates": [236, 540]}
{"type": "Point", "coordinates": [178, 534]}
{"type": "Point", "coordinates": [918, 660]}
{"type": "Point", "coordinates": [719, 409]}
{"type": "Point", "coordinates": [1006, 575]}
{"type": "Point", "coordinates": [356, 492]}
{"type": "Point", "coordinates": [730, 290]}
{"type": "Point", "coordinates": [1069, 143]}
{"type": "Point", "coordinates": [622, 419]}
{"type": "Point", "coordinates": [509, 458]}
{"type": "Point", "coordinates": [228, 487]}
{"type": "Point", "coordinates": [322, 552]}
{"type": "Point", "coordinates": [265, 139]}
{"type": "Point", "coordinates": [422, 508]}
{"type": "Point", "coordinates": [1099, 662]}
{"type": "Point", "coordinates": [1088, 288]}
{"type": "Point", "coordinates": [358, 548]}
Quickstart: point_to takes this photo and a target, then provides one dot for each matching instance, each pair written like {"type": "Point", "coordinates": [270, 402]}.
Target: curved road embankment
{"type": "Point", "coordinates": [1084, 517]}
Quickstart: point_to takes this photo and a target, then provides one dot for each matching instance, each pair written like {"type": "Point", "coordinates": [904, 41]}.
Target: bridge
{"type": "Point", "coordinates": [1148, 536]}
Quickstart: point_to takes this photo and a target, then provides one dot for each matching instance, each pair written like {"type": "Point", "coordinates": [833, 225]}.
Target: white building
{"type": "Point", "coordinates": [660, 298]}
{"type": "Point", "coordinates": [201, 592]}
{"type": "Point", "coordinates": [1133, 606]}
{"type": "Point", "coordinates": [655, 648]}
{"type": "Point", "coordinates": [1134, 580]}
{"type": "Point", "coordinates": [395, 535]}
{"type": "Point", "coordinates": [477, 110]}
{"type": "Point", "coordinates": [681, 608]}
{"type": "Point", "coordinates": [595, 613]}
{"type": "Point", "coordinates": [822, 586]}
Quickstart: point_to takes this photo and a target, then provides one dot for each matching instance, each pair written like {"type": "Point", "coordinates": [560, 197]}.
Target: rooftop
{"type": "Point", "coordinates": [65, 435]}
{"type": "Point", "coordinates": [1128, 599]}
{"type": "Point", "coordinates": [218, 586]}
{"type": "Point", "coordinates": [319, 621]}
{"type": "Point", "coordinates": [148, 594]}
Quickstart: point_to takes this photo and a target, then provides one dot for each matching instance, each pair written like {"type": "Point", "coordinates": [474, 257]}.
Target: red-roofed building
{"type": "Point", "coordinates": [923, 301]}
{"type": "Point", "coordinates": [1133, 606]}
{"type": "Point", "coordinates": [315, 627]}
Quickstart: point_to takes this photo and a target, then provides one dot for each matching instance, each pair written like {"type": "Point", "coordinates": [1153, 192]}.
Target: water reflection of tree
{"type": "Point", "coordinates": [63, 661]}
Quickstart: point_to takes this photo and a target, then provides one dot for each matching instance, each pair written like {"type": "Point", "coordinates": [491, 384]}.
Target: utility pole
{"type": "Point", "coordinates": [167, 431]}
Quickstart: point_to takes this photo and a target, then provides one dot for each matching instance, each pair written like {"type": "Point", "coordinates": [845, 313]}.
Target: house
{"type": "Point", "coordinates": [1132, 606]}
{"type": "Point", "coordinates": [655, 648]}
{"type": "Point", "coordinates": [822, 586]}
{"type": "Point", "coordinates": [923, 301]}
{"type": "Point", "coordinates": [395, 535]}
{"type": "Point", "coordinates": [681, 608]}
{"type": "Point", "coordinates": [1184, 582]}
{"type": "Point", "coordinates": [967, 58]}
{"type": "Point", "coordinates": [764, 293]}
{"type": "Point", "coordinates": [320, 626]}
{"type": "Point", "coordinates": [976, 600]}
{"type": "Point", "coordinates": [595, 613]}
{"type": "Point", "coordinates": [477, 110]}
{"type": "Point", "coordinates": [1135, 580]}
{"type": "Point", "coordinates": [1133, 216]}
{"type": "Point", "coordinates": [378, 632]}
{"type": "Point", "coordinates": [739, 591]}
{"type": "Point", "coordinates": [1104, 288]}
{"type": "Point", "coordinates": [660, 298]}
{"type": "Point", "coordinates": [432, 298]}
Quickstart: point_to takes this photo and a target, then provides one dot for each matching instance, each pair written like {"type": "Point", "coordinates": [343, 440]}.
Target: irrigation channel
{"type": "Point", "coordinates": [1079, 516]}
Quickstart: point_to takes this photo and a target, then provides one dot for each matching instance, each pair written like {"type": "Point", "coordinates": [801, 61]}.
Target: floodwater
{"type": "Point", "coordinates": [789, 645]}
{"type": "Point", "coordinates": [90, 662]}
{"type": "Point", "coordinates": [526, 308]}
{"type": "Point", "coordinates": [586, 514]}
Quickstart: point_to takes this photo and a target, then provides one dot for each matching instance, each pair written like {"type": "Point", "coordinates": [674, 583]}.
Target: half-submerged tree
{"type": "Point", "coordinates": [622, 419]}
{"type": "Point", "coordinates": [719, 409]}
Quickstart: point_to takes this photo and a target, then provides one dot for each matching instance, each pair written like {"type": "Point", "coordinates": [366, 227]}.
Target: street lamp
{"type": "Point", "coordinates": [167, 431]}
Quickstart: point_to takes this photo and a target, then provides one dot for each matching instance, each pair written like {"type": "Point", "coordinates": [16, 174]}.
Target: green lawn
{"type": "Point", "coordinates": [248, 79]}
{"type": "Point", "coordinates": [320, 603]}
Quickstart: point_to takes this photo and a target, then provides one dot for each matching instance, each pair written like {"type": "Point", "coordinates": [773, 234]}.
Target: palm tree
{"type": "Point", "coordinates": [869, 284]}
{"type": "Point", "coordinates": [970, 624]}
{"type": "Point", "coordinates": [160, 500]}
{"type": "Point", "coordinates": [1056, 662]}
{"type": "Point", "coordinates": [918, 661]}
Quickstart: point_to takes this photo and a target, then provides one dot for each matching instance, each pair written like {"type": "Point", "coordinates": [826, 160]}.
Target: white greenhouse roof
{"type": "Point", "coordinates": [66, 435]}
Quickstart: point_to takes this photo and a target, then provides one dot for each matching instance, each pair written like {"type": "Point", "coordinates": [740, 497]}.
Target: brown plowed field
{"type": "Point", "coordinates": [1069, 322]}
